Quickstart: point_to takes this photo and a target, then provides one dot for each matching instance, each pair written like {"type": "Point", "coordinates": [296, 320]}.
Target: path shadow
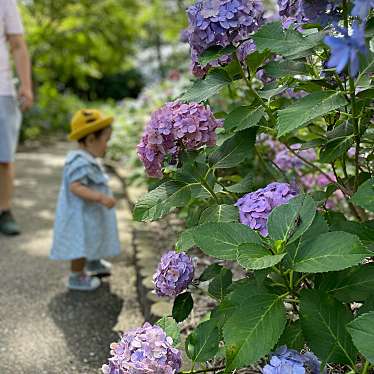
{"type": "Point", "coordinates": [87, 321]}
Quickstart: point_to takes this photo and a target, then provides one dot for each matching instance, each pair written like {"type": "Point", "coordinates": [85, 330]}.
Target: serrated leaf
{"type": "Point", "coordinates": [243, 186]}
{"type": "Point", "coordinates": [335, 148]}
{"type": "Point", "coordinates": [171, 329]}
{"type": "Point", "coordinates": [331, 251]}
{"type": "Point", "coordinates": [292, 336]}
{"type": "Point", "coordinates": [286, 43]}
{"type": "Point", "coordinates": [362, 332]}
{"type": "Point", "coordinates": [221, 240]}
{"type": "Point", "coordinates": [218, 287]}
{"type": "Point", "coordinates": [243, 117]}
{"type": "Point", "coordinates": [364, 197]}
{"type": "Point", "coordinates": [182, 307]}
{"type": "Point", "coordinates": [210, 272]}
{"type": "Point", "coordinates": [252, 330]}
{"type": "Point", "coordinates": [203, 89]}
{"type": "Point", "coordinates": [185, 241]}
{"type": "Point", "coordinates": [220, 213]}
{"type": "Point", "coordinates": [354, 284]}
{"type": "Point", "coordinates": [323, 320]}
{"type": "Point", "coordinates": [166, 197]}
{"type": "Point", "coordinates": [308, 108]}
{"type": "Point", "coordinates": [269, 92]}
{"type": "Point", "coordinates": [256, 59]}
{"type": "Point", "coordinates": [234, 150]}
{"type": "Point", "coordinates": [281, 69]}
{"type": "Point", "coordinates": [202, 343]}
{"type": "Point", "coordinates": [214, 53]}
{"type": "Point", "coordinates": [256, 257]}
{"type": "Point", "coordinates": [289, 221]}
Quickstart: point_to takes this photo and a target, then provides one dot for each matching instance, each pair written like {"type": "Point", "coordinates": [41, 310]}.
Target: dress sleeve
{"type": "Point", "coordinates": [80, 170]}
{"type": "Point", "coordinates": [12, 19]}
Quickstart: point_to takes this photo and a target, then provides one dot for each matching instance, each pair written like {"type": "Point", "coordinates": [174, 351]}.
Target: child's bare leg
{"type": "Point", "coordinates": [77, 265]}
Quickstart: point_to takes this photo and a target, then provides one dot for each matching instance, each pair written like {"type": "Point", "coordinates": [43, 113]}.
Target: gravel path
{"type": "Point", "coordinates": [43, 327]}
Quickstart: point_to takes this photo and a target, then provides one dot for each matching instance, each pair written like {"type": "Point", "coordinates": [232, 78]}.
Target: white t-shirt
{"type": "Point", "coordinates": [10, 23]}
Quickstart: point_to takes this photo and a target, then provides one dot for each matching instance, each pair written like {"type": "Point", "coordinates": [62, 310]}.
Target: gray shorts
{"type": "Point", "coordinates": [10, 124]}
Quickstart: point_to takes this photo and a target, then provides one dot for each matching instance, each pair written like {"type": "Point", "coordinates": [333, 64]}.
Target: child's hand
{"type": "Point", "coordinates": [108, 201]}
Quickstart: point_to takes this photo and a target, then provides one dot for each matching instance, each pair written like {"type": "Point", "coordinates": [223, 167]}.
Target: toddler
{"type": "Point", "coordinates": [85, 227]}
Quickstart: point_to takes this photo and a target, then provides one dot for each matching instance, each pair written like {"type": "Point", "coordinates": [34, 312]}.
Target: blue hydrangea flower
{"type": "Point", "coordinates": [289, 361]}
{"type": "Point", "coordinates": [362, 7]}
{"type": "Point", "coordinates": [346, 50]}
{"type": "Point", "coordinates": [174, 273]}
{"type": "Point", "coordinates": [222, 23]}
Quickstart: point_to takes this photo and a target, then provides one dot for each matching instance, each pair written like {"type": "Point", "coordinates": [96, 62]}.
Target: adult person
{"type": "Point", "coordinates": [12, 43]}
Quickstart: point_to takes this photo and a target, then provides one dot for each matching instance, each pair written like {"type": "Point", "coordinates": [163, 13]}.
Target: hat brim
{"type": "Point", "coordinates": [91, 128]}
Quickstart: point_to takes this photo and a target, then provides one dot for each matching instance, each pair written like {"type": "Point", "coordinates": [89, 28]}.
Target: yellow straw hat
{"type": "Point", "coordinates": [87, 121]}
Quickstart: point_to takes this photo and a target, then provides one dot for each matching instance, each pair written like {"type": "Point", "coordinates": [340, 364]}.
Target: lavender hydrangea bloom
{"type": "Point", "coordinates": [174, 273]}
{"type": "Point", "coordinates": [222, 23]}
{"type": "Point", "coordinates": [346, 49]}
{"type": "Point", "coordinates": [144, 350]}
{"type": "Point", "coordinates": [287, 161]}
{"type": "Point", "coordinates": [255, 207]}
{"type": "Point", "coordinates": [299, 12]}
{"type": "Point", "coordinates": [362, 8]}
{"type": "Point", "coordinates": [289, 361]}
{"type": "Point", "coordinates": [174, 127]}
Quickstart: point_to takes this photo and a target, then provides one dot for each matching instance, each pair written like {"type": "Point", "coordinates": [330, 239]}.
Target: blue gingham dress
{"type": "Point", "coordinates": [83, 228]}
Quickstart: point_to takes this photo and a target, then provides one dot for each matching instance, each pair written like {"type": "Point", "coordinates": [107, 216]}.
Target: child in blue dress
{"type": "Point", "coordinates": [85, 227]}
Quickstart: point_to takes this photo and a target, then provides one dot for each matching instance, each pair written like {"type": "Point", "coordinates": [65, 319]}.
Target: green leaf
{"type": "Point", "coordinates": [234, 150]}
{"type": "Point", "coordinates": [256, 59]}
{"type": "Point", "coordinates": [362, 332]}
{"type": "Point", "coordinates": [171, 329]}
{"type": "Point", "coordinates": [214, 53]}
{"type": "Point", "coordinates": [292, 336]}
{"type": "Point", "coordinates": [218, 287]}
{"type": "Point", "coordinates": [169, 195]}
{"type": "Point", "coordinates": [202, 343]}
{"type": "Point", "coordinates": [203, 89]}
{"type": "Point", "coordinates": [323, 320]}
{"type": "Point", "coordinates": [308, 108]}
{"type": "Point", "coordinates": [289, 221]}
{"type": "Point", "coordinates": [368, 305]}
{"type": "Point", "coordinates": [271, 91]}
{"type": "Point", "coordinates": [185, 241]}
{"type": "Point", "coordinates": [281, 69]}
{"type": "Point", "coordinates": [354, 284]}
{"type": "Point", "coordinates": [210, 272]}
{"type": "Point", "coordinates": [331, 251]}
{"type": "Point", "coordinates": [335, 148]}
{"type": "Point", "coordinates": [286, 43]}
{"type": "Point", "coordinates": [221, 240]}
{"type": "Point", "coordinates": [220, 213]}
{"type": "Point", "coordinates": [243, 186]}
{"type": "Point", "coordinates": [182, 307]}
{"type": "Point", "coordinates": [243, 117]}
{"type": "Point", "coordinates": [255, 257]}
{"type": "Point", "coordinates": [252, 330]}
{"type": "Point", "coordinates": [364, 197]}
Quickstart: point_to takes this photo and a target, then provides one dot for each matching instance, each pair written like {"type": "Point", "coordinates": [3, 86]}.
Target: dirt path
{"type": "Point", "coordinates": [43, 327]}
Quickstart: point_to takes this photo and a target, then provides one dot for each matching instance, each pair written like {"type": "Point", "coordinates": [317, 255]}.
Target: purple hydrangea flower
{"type": "Point", "coordinates": [145, 350]}
{"type": "Point", "coordinates": [174, 273]}
{"type": "Point", "coordinates": [174, 127]}
{"type": "Point", "coordinates": [289, 361]}
{"type": "Point", "coordinates": [287, 161]}
{"type": "Point", "coordinates": [255, 207]}
{"type": "Point", "coordinates": [351, 152]}
{"type": "Point", "coordinates": [299, 12]}
{"type": "Point", "coordinates": [362, 8]}
{"type": "Point", "coordinates": [345, 50]}
{"type": "Point", "coordinates": [222, 23]}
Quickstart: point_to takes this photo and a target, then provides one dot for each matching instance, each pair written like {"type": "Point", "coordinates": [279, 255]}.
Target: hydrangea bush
{"type": "Point", "coordinates": [257, 189]}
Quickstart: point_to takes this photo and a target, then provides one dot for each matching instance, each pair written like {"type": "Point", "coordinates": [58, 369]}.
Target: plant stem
{"type": "Point", "coordinates": [202, 370]}
{"type": "Point", "coordinates": [206, 186]}
{"type": "Point", "coordinates": [344, 190]}
{"type": "Point", "coordinates": [365, 368]}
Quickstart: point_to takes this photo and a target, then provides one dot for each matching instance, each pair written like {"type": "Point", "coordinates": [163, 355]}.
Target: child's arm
{"type": "Point", "coordinates": [86, 193]}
